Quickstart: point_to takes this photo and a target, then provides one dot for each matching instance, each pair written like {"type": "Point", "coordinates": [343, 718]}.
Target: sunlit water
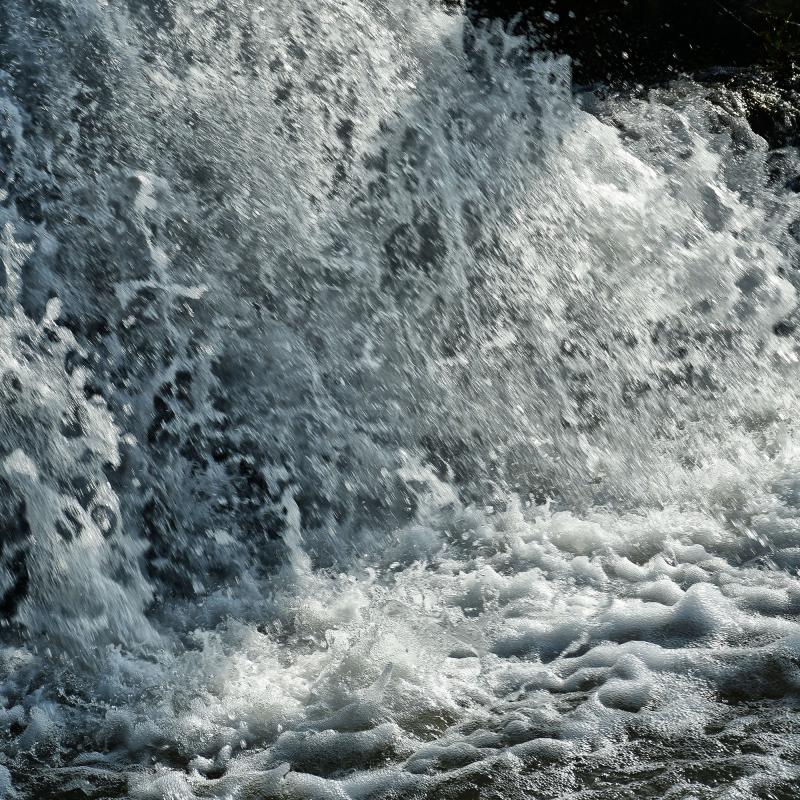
{"type": "Point", "coordinates": [380, 420]}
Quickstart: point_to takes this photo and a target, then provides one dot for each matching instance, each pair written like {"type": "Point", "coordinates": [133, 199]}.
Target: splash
{"type": "Point", "coordinates": [69, 570]}
{"type": "Point", "coordinates": [405, 426]}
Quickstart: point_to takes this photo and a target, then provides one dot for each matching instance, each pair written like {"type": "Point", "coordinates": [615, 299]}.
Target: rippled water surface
{"type": "Point", "coordinates": [379, 419]}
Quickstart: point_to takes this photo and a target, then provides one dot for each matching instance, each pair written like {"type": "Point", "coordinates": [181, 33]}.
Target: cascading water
{"type": "Point", "coordinates": [381, 420]}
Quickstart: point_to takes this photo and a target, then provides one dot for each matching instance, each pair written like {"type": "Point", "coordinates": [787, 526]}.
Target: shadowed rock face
{"type": "Point", "coordinates": [650, 40]}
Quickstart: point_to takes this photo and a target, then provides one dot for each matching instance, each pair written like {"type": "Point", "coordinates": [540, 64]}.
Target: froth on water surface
{"type": "Point", "coordinates": [379, 419]}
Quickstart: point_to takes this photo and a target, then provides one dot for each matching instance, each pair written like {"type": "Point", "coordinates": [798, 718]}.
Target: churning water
{"type": "Point", "coordinates": [380, 420]}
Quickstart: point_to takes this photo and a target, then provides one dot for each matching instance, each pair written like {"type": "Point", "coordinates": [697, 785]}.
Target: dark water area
{"type": "Point", "coordinates": [385, 414]}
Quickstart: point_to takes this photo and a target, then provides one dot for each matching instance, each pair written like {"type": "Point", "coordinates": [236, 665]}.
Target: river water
{"type": "Point", "coordinates": [383, 419]}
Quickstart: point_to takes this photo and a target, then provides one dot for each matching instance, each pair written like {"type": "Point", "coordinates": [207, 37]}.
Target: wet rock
{"type": "Point", "coordinates": [769, 100]}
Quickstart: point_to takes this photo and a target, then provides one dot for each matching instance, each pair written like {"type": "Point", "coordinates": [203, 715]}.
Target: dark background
{"type": "Point", "coordinates": [646, 40]}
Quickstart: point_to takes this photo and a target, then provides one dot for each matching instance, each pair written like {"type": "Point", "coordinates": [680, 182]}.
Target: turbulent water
{"type": "Point", "coordinates": [381, 419]}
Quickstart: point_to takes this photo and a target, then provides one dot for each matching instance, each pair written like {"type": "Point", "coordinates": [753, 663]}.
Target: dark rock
{"type": "Point", "coordinates": [644, 41]}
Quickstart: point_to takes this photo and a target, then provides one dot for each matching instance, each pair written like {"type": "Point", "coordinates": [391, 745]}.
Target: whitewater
{"type": "Point", "coordinates": [383, 416]}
